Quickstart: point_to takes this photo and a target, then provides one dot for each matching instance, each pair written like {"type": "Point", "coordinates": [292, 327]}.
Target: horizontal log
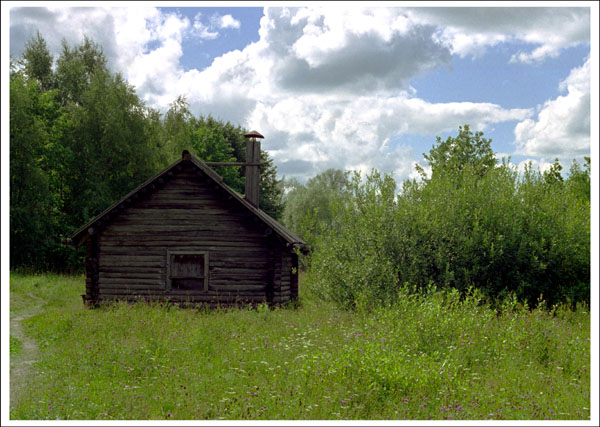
{"type": "Point", "coordinates": [184, 212]}
{"type": "Point", "coordinates": [195, 216]}
{"type": "Point", "coordinates": [224, 284]}
{"type": "Point", "coordinates": [181, 293]}
{"type": "Point", "coordinates": [129, 281]}
{"type": "Point", "coordinates": [186, 299]}
{"type": "Point", "coordinates": [188, 197]}
{"type": "Point", "coordinates": [250, 264]}
{"type": "Point", "coordinates": [194, 207]}
{"type": "Point", "coordinates": [245, 247]}
{"type": "Point", "coordinates": [198, 222]}
{"type": "Point", "coordinates": [149, 254]}
{"type": "Point", "coordinates": [125, 274]}
{"type": "Point", "coordinates": [131, 291]}
{"type": "Point", "coordinates": [134, 227]}
{"type": "Point", "coordinates": [148, 249]}
{"type": "Point", "coordinates": [192, 236]}
{"type": "Point", "coordinates": [156, 256]}
{"type": "Point", "coordinates": [236, 271]}
{"type": "Point", "coordinates": [116, 265]}
{"type": "Point", "coordinates": [110, 269]}
{"type": "Point", "coordinates": [236, 288]}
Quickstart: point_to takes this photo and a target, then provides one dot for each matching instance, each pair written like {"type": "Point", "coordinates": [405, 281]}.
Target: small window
{"type": "Point", "coordinates": [187, 270]}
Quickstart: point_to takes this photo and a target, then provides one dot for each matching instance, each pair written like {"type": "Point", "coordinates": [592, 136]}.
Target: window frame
{"type": "Point", "coordinates": [170, 254]}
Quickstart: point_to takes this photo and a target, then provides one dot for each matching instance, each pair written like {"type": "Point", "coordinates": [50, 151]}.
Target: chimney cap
{"type": "Point", "coordinates": [185, 155]}
{"type": "Point", "coordinates": [253, 134]}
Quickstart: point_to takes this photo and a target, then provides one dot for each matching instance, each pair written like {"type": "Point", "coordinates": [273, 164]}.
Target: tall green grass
{"type": "Point", "coordinates": [431, 355]}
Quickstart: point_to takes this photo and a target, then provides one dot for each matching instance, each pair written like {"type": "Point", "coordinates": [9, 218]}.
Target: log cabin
{"type": "Point", "coordinates": [185, 237]}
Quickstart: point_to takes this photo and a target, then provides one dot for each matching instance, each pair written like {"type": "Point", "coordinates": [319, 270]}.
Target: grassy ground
{"type": "Point", "coordinates": [429, 357]}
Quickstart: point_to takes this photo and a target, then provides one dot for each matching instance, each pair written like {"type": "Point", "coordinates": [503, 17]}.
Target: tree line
{"type": "Point", "coordinates": [471, 223]}
{"type": "Point", "coordinates": [81, 138]}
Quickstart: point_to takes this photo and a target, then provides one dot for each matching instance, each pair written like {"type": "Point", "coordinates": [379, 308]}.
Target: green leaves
{"type": "Point", "coordinates": [472, 224]}
{"type": "Point", "coordinates": [310, 207]}
{"type": "Point", "coordinates": [80, 139]}
{"type": "Point", "coordinates": [466, 150]}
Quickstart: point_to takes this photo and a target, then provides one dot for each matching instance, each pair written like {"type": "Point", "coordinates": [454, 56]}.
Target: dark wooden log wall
{"type": "Point", "coordinates": [294, 277]}
{"type": "Point", "coordinates": [91, 270]}
{"type": "Point", "coordinates": [189, 212]}
{"type": "Point", "coordinates": [283, 277]}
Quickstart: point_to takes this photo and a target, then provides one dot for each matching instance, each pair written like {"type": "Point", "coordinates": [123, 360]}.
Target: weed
{"type": "Point", "coordinates": [428, 356]}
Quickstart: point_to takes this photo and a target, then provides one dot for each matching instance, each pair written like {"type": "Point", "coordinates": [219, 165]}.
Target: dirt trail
{"type": "Point", "coordinates": [21, 364]}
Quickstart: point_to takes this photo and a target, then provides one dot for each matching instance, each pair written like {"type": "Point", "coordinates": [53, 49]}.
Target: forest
{"type": "Point", "coordinates": [80, 138]}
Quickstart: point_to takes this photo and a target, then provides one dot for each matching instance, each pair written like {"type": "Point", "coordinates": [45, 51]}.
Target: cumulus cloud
{"type": "Point", "coordinates": [352, 50]}
{"type": "Point", "coordinates": [355, 132]}
{"type": "Point", "coordinates": [470, 30]}
{"type": "Point", "coordinates": [226, 21]}
{"type": "Point", "coordinates": [562, 128]}
{"type": "Point", "coordinates": [327, 87]}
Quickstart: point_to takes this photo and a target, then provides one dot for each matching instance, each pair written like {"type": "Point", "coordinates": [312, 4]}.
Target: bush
{"type": "Point", "coordinates": [499, 232]}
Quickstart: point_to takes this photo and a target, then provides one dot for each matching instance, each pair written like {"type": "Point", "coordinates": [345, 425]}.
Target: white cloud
{"type": "Point", "coordinates": [347, 50]}
{"type": "Point", "coordinates": [470, 30]}
{"type": "Point", "coordinates": [202, 30]}
{"type": "Point", "coordinates": [562, 128]}
{"type": "Point", "coordinates": [351, 132]}
{"type": "Point", "coordinates": [327, 87]}
{"type": "Point", "coordinates": [226, 21]}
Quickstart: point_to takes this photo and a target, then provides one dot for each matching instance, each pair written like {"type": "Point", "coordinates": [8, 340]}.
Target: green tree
{"type": "Point", "coordinates": [37, 62]}
{"type": "Point", "coordinates": [75, 148]}
{"type": "Point", "coordinates": [112, 151]}
{"type": "Point", "coordinates": [309, 207]}
{"type": "Point", "coordinates": [210, 145]}
{"type": "Point", "coordinates": [457, 153]}
{"type": "Point", "coordinates": [553, 176]}
{"type": "Point", "coordinates": [32, 203]}
{"type": "Point", "coordinates": [579, 180]}
{"type": "Point", "coordinates": [75, 68]}
{"type": "Point", "coordinates": [178, 127]}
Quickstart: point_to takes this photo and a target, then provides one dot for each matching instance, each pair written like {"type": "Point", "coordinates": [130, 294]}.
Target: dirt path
{"type": "Point", "coordinates": [22, 363]}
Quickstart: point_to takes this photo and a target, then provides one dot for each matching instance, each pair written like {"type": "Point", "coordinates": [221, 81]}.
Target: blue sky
{"type": "Point", "coordinates": [352, 87]}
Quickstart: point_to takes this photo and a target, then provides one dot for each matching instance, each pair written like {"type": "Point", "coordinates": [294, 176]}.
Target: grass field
{"type": "Point", "coordinates": [429, 357]}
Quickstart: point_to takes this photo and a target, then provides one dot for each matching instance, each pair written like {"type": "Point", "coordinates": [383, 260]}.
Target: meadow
{"type": "Point", "coordinates": [429, 356]}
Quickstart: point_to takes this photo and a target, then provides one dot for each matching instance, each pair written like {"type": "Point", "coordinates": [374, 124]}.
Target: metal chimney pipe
{"type": "Point", "coordinates": [252, 171]}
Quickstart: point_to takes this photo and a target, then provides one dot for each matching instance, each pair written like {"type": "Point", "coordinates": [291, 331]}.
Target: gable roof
{"type": "Point", "coordinates": [100, 220]}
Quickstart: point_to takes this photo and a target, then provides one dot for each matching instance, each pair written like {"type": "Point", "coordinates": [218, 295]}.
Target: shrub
{"type": "Point", "coordinates": [490, 229]}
